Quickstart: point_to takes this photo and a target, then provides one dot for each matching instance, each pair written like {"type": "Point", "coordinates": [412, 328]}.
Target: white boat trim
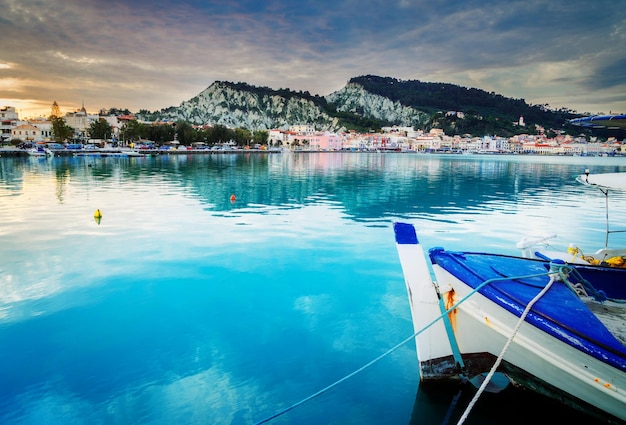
{"type": "Point", "coordinates": [539, 246]}
{"type": "Point", "coordinates": [615, 181]}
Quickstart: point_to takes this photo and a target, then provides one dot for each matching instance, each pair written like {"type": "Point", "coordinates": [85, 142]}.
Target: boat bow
{"type": "Point", "coordinates": [523, 312]}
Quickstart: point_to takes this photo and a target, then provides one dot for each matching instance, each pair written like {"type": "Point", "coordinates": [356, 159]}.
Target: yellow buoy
{"type": "Point", "coordinates": [97, 214]}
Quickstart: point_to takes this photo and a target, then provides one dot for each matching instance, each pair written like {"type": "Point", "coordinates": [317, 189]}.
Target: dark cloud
{"type": "Point", "coordinates": [610, 74]}
{"type": "Point", "coordinates": [154, 54]}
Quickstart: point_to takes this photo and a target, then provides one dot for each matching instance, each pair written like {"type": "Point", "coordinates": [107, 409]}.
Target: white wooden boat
{"type": "Point", "coordinates": [490, 319]}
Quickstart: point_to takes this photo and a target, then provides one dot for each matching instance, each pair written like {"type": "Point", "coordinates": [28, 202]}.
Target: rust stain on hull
{"type": "Point", "coordinates": [449, 299]}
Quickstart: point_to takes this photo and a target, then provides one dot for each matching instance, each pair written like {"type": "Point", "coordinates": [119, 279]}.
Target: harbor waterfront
{"type": "Point", "coordinates": [18, 152]}
{"type": "Point", "coordinates": [226, 289]}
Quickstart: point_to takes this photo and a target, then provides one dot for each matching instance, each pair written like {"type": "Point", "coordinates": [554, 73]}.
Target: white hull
{"type": "Point", "coordinates": [39, 152]}
{"type": "Point", "coordinates": [481, 330]}
{"type": "Point", "coordinates": [481, 326]}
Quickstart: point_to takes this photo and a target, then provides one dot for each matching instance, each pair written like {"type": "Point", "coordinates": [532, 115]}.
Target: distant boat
{"type": "Point", "coordinates": [109, 152]}
{"type": "Point", "coordinates": [492, 319]}
{"type": "Point", "coordinates": [131, 152]}
{"type": "Point", "coordinates": [39, 151]}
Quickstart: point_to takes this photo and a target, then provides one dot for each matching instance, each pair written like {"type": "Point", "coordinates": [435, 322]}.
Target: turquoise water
{"type": "Point", "coordinates": [183, 307]}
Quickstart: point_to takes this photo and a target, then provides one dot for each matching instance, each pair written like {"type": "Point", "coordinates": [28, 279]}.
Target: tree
{"type": "Point", "coordinates": [161, 133]}
{"type": "Point", "coordinates": [60, 130]}
{"type": "Point", "coordinates": [218, 134]}
{"type": "Point", "coordinates": [100, 129]}
{"type": "Point", "coordinates": [185, 133]}
{"type": "Point", "coordinates": [242, 136]}
{"type": "Point", "coordinates": [119, 111]}
{"type": "Point", "coordinates": [260, 136]}
{"type": "Point", "coordinates": [131, 130]}
{"type": "Point", "coordinates": [56, 111]}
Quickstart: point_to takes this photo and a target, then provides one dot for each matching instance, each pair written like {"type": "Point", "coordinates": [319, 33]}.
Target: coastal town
{"type": "Point", "coordinates": [36, 136]}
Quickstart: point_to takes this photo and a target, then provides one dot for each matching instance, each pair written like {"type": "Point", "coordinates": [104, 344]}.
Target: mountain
{"type": "Point", "coordinates": [435, 97]}
{"type": "Point", "coordinates": [365, 103]}
{"type": "Point", "coordinates": [239, 105]}
{"type": "Point", "coordinates": [356, 99]}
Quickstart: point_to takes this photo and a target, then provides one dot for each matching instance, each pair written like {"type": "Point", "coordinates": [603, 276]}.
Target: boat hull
{"type": "Point", "coordinates": [549, 352]}
{"type": "Point", "coordinates": [534, 359]}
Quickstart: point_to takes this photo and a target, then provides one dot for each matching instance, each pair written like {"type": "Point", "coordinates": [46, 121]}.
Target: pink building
{"type": "Point", "coordinates": [326, 141]}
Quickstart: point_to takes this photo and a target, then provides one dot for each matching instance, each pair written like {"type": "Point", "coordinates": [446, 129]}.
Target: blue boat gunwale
{"type": "Point", "coordinates": [513, 297]}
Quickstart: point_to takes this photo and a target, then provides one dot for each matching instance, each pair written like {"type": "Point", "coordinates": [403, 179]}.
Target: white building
{"type": "Point", "coordinates": [44, 126]}
{"type": "Point", "coordinates": [9, 119]}
{"type": "Point", "coordinates": [276, 137]}
{"type": "Point", "coordinates": [27, 133]}
{"type": "Point", "coordinates": [80, 121]}
{"type": "Point", "coordinates": [302, 130]}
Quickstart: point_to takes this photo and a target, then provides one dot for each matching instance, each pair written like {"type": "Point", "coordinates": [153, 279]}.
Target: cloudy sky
{"type": "Point", "coordinates": [152, 54]}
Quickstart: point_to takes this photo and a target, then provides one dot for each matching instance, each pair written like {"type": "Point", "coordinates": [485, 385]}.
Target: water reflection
{"type": "Point", "coordinates": [182, 302]}
{"type": "Point", "coordinates": [455, 194]}
{"type": "Point", "coordinates": [368, 186]}
{"type": "Point", "coordinates": [446, 405]}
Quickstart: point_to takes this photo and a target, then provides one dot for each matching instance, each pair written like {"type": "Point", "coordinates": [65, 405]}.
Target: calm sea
{"type": "Point", "coordinates": [181, 306]}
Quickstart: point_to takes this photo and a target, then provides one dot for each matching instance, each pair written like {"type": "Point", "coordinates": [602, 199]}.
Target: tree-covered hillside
{"type": "Point", "coordinates": [443, 97]}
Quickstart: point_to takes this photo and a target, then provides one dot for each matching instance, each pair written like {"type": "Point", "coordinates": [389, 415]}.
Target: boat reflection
{"type": "Point", "coordinates": [448, 404]}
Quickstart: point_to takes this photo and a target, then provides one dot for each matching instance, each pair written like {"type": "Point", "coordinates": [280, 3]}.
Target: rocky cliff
{"type": "Point", "coordinates": [241, 106]}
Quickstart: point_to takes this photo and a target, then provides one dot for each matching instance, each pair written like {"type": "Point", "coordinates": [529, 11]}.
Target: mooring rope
{"type": "Point", "coordinates": [395, 347]}
{"type": "Point", "coordinates": [470, 406]}
{"type": "Point", "coordinates": [334, 384]}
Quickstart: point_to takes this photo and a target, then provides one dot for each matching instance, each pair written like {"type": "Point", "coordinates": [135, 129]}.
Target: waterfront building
{"type": "Point", "coordinates": [406, 131]}
{"type": "Point", "coordinates": [516, 146]}
{"type": "Point", "coordinates": [9, 119]}
{"type": "Point", "coordinates": [302, 129]}
{"type": "Point", "coordinates": [79, 121]}
{"type": "Point", "coordinates": [427, 143]}
{"type": "Point", "coordinates": [276, 137]}
{"type": "Point", "coordinates": [45, 127]}
{"type": "Point", "coordinates": [325, 141]}
{"type": "Point", "coordinates": [27, 133]}
{"type": "Point", "coordinates": [354, 142]}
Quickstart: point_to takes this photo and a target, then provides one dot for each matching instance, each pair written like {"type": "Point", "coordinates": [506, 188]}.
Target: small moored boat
{"type": "Point", "coordinates": [493, 319]}
{"type": "Point", "coordinates": [39, 151]}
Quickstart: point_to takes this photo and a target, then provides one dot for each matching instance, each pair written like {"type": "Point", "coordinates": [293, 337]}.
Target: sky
{"type": "Point", "coordinates": [153, 54]}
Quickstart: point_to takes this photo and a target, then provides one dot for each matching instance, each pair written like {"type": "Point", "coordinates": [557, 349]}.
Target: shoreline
{"type": "Point", "coordinates": [16, 152]}
{"type": "Point", "coordinates": [137, 153]}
